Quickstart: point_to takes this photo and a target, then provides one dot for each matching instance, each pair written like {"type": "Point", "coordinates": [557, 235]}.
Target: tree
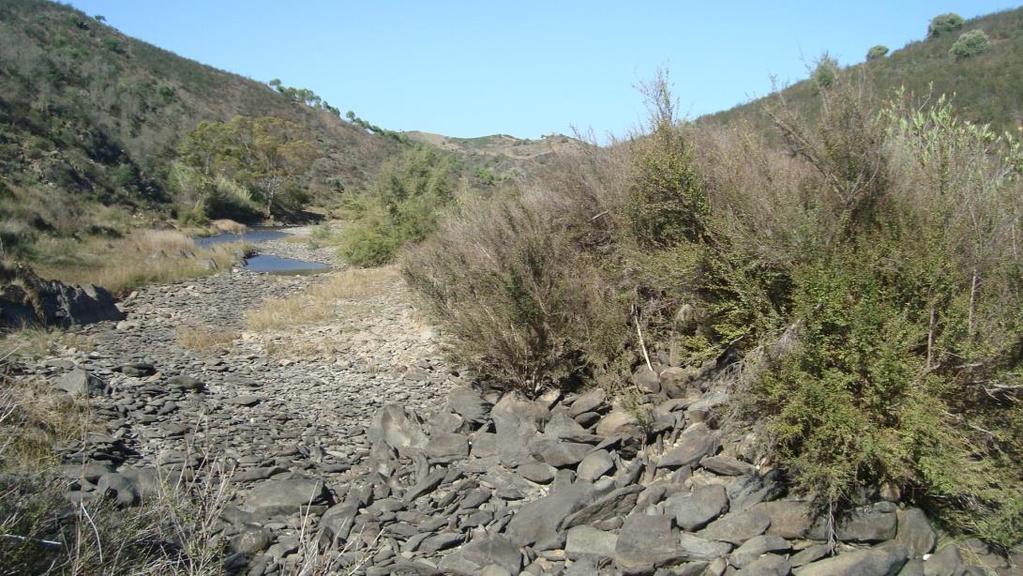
{"type": "Point", "coordinates": [877, 52]}
{"type": "Point", "coordinates": [970, 44]}
{"type": "Point", "coordinates": [943, 24]}
{"type": "Point", "coordinates": [826, 72]}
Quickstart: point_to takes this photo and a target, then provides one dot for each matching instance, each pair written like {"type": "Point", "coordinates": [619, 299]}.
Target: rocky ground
{"type": "Point", "coordinates": [379, 459]}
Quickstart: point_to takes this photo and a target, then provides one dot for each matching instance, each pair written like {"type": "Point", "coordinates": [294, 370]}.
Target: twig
{"type": "Point", "coordinates": [50, 543]}
{"type": "Point", "coordinates": [642, 345]}
{"type": "Point", "coordinates": [95, 531]}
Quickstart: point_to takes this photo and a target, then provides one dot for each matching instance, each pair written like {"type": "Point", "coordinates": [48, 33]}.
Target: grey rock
{"type": "Point", "coordinates": [447, 446]}
{"type": "Point", "coordinates": [494, 550]}
{"type": "Point", "coordinates": [441, 541]}
{"type": "Point", "coordinates": [426, 485]}
{"type": "Point", "coordinates": [947, 561]}
{"type": "Point", "coordinates": [475, 497]}
{"type": "Point", "coordinates": [696, 548]}
{"type": "Point", "coordinates": [595, 465]}
{"type": "Point", "coordinates": [138, 369]}
{"type": "Point", "coordinates": [727, 466]}
{"type": "Point", "coordinates": [915, 532]}
{"type": "Point", "coordinates": [81, 383]}
{"type": "Point", "coordinates": [756, 547]}
{"type": "Point", "coordinates": [618, 502]}
{"type": "Point", "coordinates": [283, 497]}
{"type": "Point", "coordinates": [646, 542]}
{"type": "Point", "coordinates": [538, 472]}
{"type": "Point", "coordinates": [246, 400]}
{"type": "Point", "coordinates": [588, 402]}
{"type": "Point", "coordinates": [588, 541]}
{"type": "Point", "coordinates": [646, 379]}
{"type": "Point", "coordinates": [185, 383]}
{"type": "Point", "coordinates": [395, 427]}
{"type": "Point", "coordinates": [27, 300]}
{"type": "Point", "coordinates": [767, 565]}
{"type": "Point", "coordinates": [618, 422]}
{"type": "Point", "coordinates": [915, 567]}
{"type": "Point", "coordinates": [536, 523]}
{"type": "Point", "coordinates": [695, 443]}
{"type": "Point", "coordinates": [789, 518]}
{"type": "Point", "coordinates": [694, 511]}
{"type": "Point", "coordinates": [884, 560]}
{"type": "Point", "coordinates": [809, 554]}
{"type": "Point", "coordinates": [875, 523]}
{"type": "Point", "coordinates": [558, 453]}
{"type": "Point", "coordinates": [468, 404]}
{"type": "Point", "coordinates": [737, 527]}
{"type": "Point", "coordinates": [251, 541]}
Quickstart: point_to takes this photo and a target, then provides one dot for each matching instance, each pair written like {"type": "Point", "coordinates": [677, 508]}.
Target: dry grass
{"type": "Point", "coordinates": [145, 257]}
{"type": "Point", "coordinates": [204, 338]}
{"type": "Point", "coordinates": [322, 301]}
{"type": "Point", "coordinates": [37, 342]}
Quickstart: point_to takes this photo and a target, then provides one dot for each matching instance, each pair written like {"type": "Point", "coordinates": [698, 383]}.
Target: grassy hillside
{"type": "Point", "coordinates": [90, 121]}
{"type": "Point", "coordinates": [987, 87]}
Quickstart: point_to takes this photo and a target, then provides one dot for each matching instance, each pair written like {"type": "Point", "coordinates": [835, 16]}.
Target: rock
{"type": "Point", "coordinates": [646, 379]}
{"type": "Point", "coordinates": [538, 472]}
{"type": "Point", "coordinates": [138, 369]}
{"type": "Point", "coordinates": [447, 446]}
{"type": "Point", "coordinates": [588, 402]}
{"type": "Point", "coordinates": [493, 550]}
{"type": "Point", "coordinates": [595, 465]}
{"type": "Point", "coordinates": [727, 466]}
{"type": "Point", "coordinates": [875, 523]}
{"type": "Point", "coordinates": [428, 484]}
{"type": "Point", "coordinates": [737, 527]}
{"type": "Point", "coordinates": [81, 383]}
{"type": "Point", "coordinates": [398, 429]}
{"type": "Point", "coordinates": [536, 523]}
{"type": "Point", "coordinates": [441, 541]}
{"type": "Point", "coordinates": [646, 542]}
{"type": "Point", "coordinates": [618, 502]}
{"type": "Point", "coordinates": [675, 381]}
{"type": "Point", "coordinates": [251, 541]}
{"type": "Point", "coordinates": [246, 400]}
{"type": "Point", "coordinates": [588, 541]}
{"type": "Point", "coordinates": [915, 532]}
{"type": "Point", "coordinates": [756, 547]}
{"type": "Point", "coordinates": [618, 422]}
{"type": "Point", "coordinates": [282, 497]}
{"type": "Point", "coordinates": [767, 565]}
{"type": "Point", "coordinates": [517, 422]}
{"type": "Point", "coordinates": [695, 443]}
{"type": "Point", "coordinates": [558, 453]}
{"type": "Point", "coordinates": [915, 567]}
{"type": "Point", "coordinates": [696, 548]}
{"type": "Point", "coordinates": [27, 300]}
{"type": "Point", "coordinates": [748, 491]}
{"type": "Point", "coordinates": [809, 554]}
{"type": "Point", "coordinates": [694, 511]}
{"type": "Point", "coordinates": [468, 404]}
{"type": "Point", "coordinates": [884, 560]}
{"type": "Point", "coordinates": [119, 486]}
{"type": "Point", "coordinates": [789, 518]}
{"type": "Point", "coordinates": [947, 561]}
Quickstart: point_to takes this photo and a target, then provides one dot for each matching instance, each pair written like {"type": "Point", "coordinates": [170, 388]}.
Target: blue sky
{"type": "Point", "coordinates": [527, 67]}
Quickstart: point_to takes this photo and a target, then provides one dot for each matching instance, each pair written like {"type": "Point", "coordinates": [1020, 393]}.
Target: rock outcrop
{"type": "Point", "coordinates": [27, 300]}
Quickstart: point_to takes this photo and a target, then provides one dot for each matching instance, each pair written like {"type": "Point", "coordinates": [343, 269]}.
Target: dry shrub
{"type": "Point", "coordinates": [517, 293]}
{"type": "Point", "coordinates": [204, 338]}
{"type": "Point", "coordinates": [145, 257]}
{"type": "Point", "coordinates": [322, 300]}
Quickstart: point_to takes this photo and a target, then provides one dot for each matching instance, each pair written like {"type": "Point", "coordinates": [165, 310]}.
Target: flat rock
{"type": "Point", "coordinates": [767, 565]}
{"type": "Point", "coordinates": [246, 400]}
{"type": "Point", "coordinates": [588, 541]}
{"type": "Point", "coordinates": [695, 443]}
{"type": "Point", "coordinates": [538, 472]}
{"type": "Point", "coordinates": [588, 402]}
{"type": "Point", "coordinates": [727, 466]}
{"type": "Point", "coordinates": [884, 560]}
{"type": "Point", "coordinates": [646, 542]}
{"type": "Point", "coordinates": [595, 465]}
{"type": "Point", "coordinates": [81, 383]}
{"type": "Point", "coordinates": [618, 422]}
{"type": "Point", "coordinates": [447, 446]}
{"type": "Point", "coordinates": [737, 527]}
{"type": "Point", "coordinates": [618, 502]}
{"type": "Point", "coordinates": [915, 532]}
{"type": "Point", "coordinates": [695, 510]}
{"type": "Point", "coordinates": [536, 523]}
{"type": "Point", "coordinates": [698, 549]}
{"type": "Point", "coordinates": [558, 453]}
{"type": "Point", "coordinates": [876, 523]}
{"type": "Point", "coordinates": [756, 547]}
{"type": "Point", "coordinates": [283, 497]}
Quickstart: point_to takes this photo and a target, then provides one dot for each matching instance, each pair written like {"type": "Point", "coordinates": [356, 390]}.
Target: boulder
{"type": "Point", "coordinates": [283, 497]}
{"type": "Point", "coordinates": [536, 523]}
{"type": "Point", "coordinates": [646, 379]}
{"type": "Point", "coordinates": [595, 465]}
{"type": "Point", "coordinates": [767, 565]}
{"type": "Point", "coordinates": [695, 443]}
{"type": "Point", "coordinates": [737, 527]}
{"type": "Point", "coordinates": [696, 548]}
{"type": "Point", "coordinates": [618, 502]}
{"type": "Point", "coordinates": [875, 523]}
{"type": "Point", "coordinates": [915, 532]}
{"type": "Point", "coordinates": [756, 547]}
{"type": "Point", "coordinates": [81, 383]}
{"type": "Point", "coordinates": [645, 543]}
{"type": "Point", "coordinates": [588, 402]}
{"type": "Point", "coordinates": [27, 300]}
{"type": "Point", "coordinates": [695, 510]}
{"type": "Point", "coordinates": [588, 541]}
{"type": "Point", "coordinates": [884, 560]}
{"type": "Point", "coordinates": [618, 422]}
{"type": "Point", "coordinates": [395, 427]}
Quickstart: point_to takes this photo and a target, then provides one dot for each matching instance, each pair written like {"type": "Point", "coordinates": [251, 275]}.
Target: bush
{"type": "Point", "coordinates": [401, 207]}
{"type": "Point", "coordinates": [877, 52]}
{"type": "Point", "coordinates": [826, 72]}
{"type": "Point", "coordinates": [943, 24]}
{"type": "Point", "coordinates": [970, 44]}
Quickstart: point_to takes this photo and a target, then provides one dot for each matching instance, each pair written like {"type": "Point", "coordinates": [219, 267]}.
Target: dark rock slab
{"type": "Point", "coordinates": [695, 443]}
{"type": "Point", "coordinates": [645, 543]}
{"type": "Point", "coordinates": [536, 523]}
{"type": "Point", "coordinates": [737, 527]}
{"type": "Point", "coordinates": [695, 510]}
{"type": "Point", "coordinates": [884, 560]}
{"type": "Point", "coordinates": [915, 532]}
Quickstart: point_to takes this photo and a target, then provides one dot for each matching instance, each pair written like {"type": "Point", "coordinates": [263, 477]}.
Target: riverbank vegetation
{"type": "Point", "coordinates": [868, 274]}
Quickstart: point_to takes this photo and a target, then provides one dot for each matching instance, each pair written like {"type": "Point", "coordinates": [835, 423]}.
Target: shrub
{"type": "Point", "coordinates": [826, 72]}
{"type": "Point", "coordinates": [943, 24]}
{"type": "Point", "coordinates": [877, 52]}
{"type": "Point", "coordinates": [970, 44]}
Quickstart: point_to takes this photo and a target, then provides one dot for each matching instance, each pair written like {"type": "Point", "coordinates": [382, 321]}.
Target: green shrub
{"type": "Point", "coordinates": [826, 72]}
{"type": "Point", "coordinates": [943, 24]}
{"type": "Point", "coordinates": [877, 52]}
{"type": "Point", "coordinates": [970, 44]}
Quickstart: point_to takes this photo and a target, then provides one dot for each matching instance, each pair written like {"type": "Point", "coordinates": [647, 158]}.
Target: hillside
{"type": "Point", "coordinates": [987, 87]}
{"type": "Point", "coordinates": [91, 117]}
{"type": "Point", "coordinates": [501, 154]}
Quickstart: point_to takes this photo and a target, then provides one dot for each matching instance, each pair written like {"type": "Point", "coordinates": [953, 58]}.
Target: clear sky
{"type": "Point", "coordinates": [524, 67]}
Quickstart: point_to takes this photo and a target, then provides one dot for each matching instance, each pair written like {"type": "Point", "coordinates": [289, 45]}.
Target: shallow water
{"type": "Point", "coordinates": [276, 265]}
{"type": "Point", "coordinates": [266, 263]}
{"type": "Point", "coordinates": [252, 236]}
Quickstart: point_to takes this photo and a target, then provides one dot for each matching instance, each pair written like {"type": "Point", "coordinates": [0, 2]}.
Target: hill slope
{"type": "Point", "coordinates": [501, 154]}
{"type": "Point", "coordinates": [91, 117]}
{"type": "Point", "coordinates": [987, 88]}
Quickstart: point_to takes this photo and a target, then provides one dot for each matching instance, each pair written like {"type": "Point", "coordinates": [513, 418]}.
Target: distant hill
{"type": "Point", "coordinates": [987, 87]}
{"type": "Point", "coordinates": [500, 154]}
{"type": "Point", "coordinates": [91, 117]}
